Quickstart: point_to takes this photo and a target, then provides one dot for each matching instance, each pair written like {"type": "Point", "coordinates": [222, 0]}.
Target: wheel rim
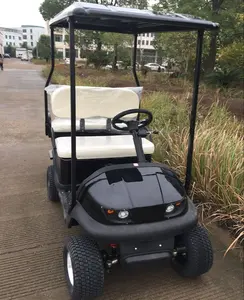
{"type": "Point", "coordinates": [70, 269]}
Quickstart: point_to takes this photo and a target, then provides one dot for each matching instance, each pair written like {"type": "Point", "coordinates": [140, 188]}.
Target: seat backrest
{"type": "Point", "coordinates": [94, 101]}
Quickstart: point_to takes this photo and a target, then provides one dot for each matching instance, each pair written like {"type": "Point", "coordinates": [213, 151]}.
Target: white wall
{"type": "Point", "coordinates": [145, 41]}
{"type": "Point", "coordinates": [11, 36]}
{"type": "Point", "coordinates": [1, 43]}
{"type": "Point", "coordinates": [31, 34]}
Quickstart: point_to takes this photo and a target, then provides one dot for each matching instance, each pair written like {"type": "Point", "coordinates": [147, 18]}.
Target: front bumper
{"type": "Point", "coordinates": [136, 232]}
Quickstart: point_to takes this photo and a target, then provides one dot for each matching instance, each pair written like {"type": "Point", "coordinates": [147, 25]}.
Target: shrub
{"type": "Point", "coordinates": [225, 77]}
{"type": "Point", "coordinates": [99, 58]}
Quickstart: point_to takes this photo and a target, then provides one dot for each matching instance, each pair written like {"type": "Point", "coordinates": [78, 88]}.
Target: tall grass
{"type": "Point", "coordinates": [218, 161]}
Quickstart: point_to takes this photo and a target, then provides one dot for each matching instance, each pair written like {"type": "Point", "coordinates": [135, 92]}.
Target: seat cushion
{"type": "Point", "coordinates": [92, 147]}
{"type": "Point", "coordinates": [64, 124]}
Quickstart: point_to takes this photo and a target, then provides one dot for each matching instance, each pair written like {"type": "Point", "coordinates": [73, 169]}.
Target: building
{"type": "Point", "coordinates": [17, 36]}
{"type": "Point", "coordinates": [1, 42]}
{"type": "Point", "coordinates": [146, 50]}
{"type": "Point", "coordinates": [61, 45]}
{"type": "Point", "coordinates": [145, 53]}
{"type": "Point", "coordinates": [31, 34]}
{"type": "Point", "coordinates": [11, 36]}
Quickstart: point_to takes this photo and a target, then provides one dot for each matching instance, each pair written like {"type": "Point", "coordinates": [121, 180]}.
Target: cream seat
{"type": "Point", "coordinates": [98, 147]}
{"type": "Point", "coordinates": [94, 104]}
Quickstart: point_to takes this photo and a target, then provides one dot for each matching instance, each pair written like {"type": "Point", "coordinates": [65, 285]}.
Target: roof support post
{"type": "Point", "coordinates": [72, 110]}
{"type": "Point", "coordinates": [194, 109]}
{"type": "Point", "coordinates": [134, 61]}
{"type": "Point", "coordinates": [47, 122]}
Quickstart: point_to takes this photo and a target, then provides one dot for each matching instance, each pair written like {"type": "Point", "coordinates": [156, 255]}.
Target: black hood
{"type": "Point", "coordinates": [135, 187]}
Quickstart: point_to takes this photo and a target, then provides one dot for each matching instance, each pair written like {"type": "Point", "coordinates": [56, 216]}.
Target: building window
{"type": "Point", "coordinates": [14, 44]}
{"type": "Point", "coordinates": [146, 42]}
{"type": "Point", "coordinates": [58, 38]}
{"type": "Point", "coordinates": [19, 38]}
{"type": "Point", "coordinates": [6, 36]}
{"type": "Point", "coordinates": [30, 30]}
{"type": "Point", "coordinates": [139, 42]}
{"type": "Point", "coordinates": [24, 30]}
{"type": "Point", "coordinates": [31, 37]}
{"type": "Point", "coordinates": [142, 42]}
{"type": "Point", "coordinates": [148, 34]}
{"type": "Point", "coordinates": [67, 53]}
{"type": "Point", "coordinates": [24, 37]}
{"type": "Point", "coordinates": [10, 37]}
{"type": "Point", "coordinates": [151, 43]}
{"type": "Point", "coordinates": [7, 43]}
{"type": "Point", "coordinates": [13, 37]}
{"type": "Point", "coordinates": [10, 43]}
{"type": "Point", "coordinates": [31, 44]}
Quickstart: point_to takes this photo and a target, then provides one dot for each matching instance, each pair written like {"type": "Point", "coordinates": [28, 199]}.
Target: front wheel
{"type": "Point", "coordinates": [198, 258]}
{"type": "Point", "coordinates": [84, 269]}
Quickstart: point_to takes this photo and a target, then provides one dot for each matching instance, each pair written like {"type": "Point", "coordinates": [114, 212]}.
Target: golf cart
{"type": "Point", "coordinates": [131, 210]}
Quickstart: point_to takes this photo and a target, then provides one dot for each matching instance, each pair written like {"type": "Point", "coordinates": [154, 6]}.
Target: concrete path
{"type": "Point", "coordinates": [32, 229]}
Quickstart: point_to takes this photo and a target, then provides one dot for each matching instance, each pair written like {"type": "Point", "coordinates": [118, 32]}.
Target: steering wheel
{"type": "Point", "coordinates": [132, 124]}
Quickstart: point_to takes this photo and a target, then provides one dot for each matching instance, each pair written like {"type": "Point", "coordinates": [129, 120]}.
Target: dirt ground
{"type": "Point", "coordinates": [32, 229]}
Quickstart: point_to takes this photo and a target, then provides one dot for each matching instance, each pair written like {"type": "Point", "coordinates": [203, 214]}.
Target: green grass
{"type": "Point", "coordinates": [218, 161]}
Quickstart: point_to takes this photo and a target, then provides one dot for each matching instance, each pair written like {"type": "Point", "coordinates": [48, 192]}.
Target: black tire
{"type": "Point", "coordinates": [88, 268]}
{"type": "Point", "coordinates": [198, 258]}
{"type": "Point", "coordinates": [52, 192]}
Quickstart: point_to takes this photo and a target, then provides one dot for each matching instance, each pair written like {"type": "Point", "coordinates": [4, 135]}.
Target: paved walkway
{"type": "Point", "coordinates": [32, 229]}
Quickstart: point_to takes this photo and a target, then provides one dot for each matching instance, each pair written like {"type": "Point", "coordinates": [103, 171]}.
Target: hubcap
{"type": "Point", "coordinates": [70, 269]}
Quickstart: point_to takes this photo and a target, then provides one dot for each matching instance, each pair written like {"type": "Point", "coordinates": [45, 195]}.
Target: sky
{"type": "Point", "coordinates": [15, 13]}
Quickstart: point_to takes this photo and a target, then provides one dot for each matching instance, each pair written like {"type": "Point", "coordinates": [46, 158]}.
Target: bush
{"type": "Point", "coordinates": [99, 58]}
{"type": "Point", "coordinates": [232, 56]}
{"type": "Point", "coordinates": [225, 77]}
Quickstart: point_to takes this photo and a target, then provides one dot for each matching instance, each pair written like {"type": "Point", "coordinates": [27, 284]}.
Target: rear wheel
{"type": "Point", "coordinates": [84, 269]}
{"type": "Point", "coordinates": [198, 258]}
{"type": "Point", "coordinates": [51, 187]}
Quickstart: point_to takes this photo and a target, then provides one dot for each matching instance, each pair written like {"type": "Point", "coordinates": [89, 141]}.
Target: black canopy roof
{"type": "Point", "coordinates": [127, 20]}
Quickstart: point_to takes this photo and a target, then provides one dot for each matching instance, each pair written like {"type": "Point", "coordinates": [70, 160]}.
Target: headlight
{"type": "Point", "coordinates": [170, 208]}
{"type": "Point", "coordinates": [117, 216]}
{"type": "Point", "coordinates": [123, 214]}
{"type": "Point", "coordinates": [175, 209]}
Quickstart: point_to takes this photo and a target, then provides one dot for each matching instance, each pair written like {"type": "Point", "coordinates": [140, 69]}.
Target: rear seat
{"type": "Point", "coordinates": [94, 104]}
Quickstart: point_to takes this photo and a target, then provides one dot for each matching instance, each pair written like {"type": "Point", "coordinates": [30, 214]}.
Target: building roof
{"type": "Point", "coordinates": [33, 26]}
{"type": "Point", "coordinates": [16, 30]}
{"type": "Point", "coordinates": [127, 20]}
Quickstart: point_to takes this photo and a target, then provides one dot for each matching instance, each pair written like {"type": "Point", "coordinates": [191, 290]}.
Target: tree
{"type": "Point", "coordinates": [222, 11]}
{"type": "Point", "coordinates": [179, 47]}
{"type": "Point", "coordinates": [49, 8]}
{"type": "Point", "coordinates": [116, 43]}
{"type": "Point", "coordinates": [10, 50]}
{"type": "Point", "coordinates": [44, 48]}
{"type": "Point", "coordinates": [24, 45]}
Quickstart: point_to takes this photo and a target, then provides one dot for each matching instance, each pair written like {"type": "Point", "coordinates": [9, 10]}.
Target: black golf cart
{"type": "Point", "coordinates": [131, 210]}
